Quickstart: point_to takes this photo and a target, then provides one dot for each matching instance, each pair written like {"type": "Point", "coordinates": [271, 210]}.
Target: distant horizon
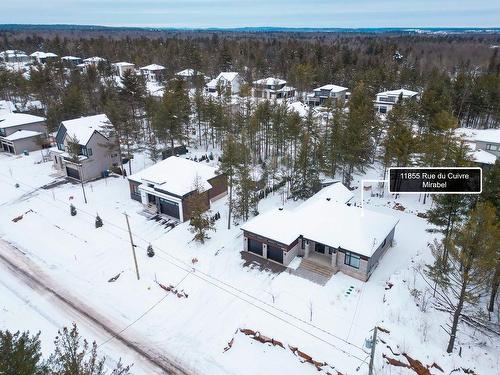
{"type": "Point", "coordinates": [187, 28]}
{"type": "Point", "coordinates": [231, 14]}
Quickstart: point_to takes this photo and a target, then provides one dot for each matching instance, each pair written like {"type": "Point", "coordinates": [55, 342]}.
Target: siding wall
{"type": "Point", "coordinates": [187, 203]}
{"type": "Point", "coordinates": [28, 144]}
{"type": "Point", "coordinates": [36, 127]}
{"type": "Point", "coordinates": [219, 187]}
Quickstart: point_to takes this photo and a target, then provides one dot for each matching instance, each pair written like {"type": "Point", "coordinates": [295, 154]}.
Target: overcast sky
{"type": "Point", "coordinates": [240, 13]}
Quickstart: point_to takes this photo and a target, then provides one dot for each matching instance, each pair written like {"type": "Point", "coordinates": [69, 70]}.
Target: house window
{"type": "Point", "coordinates": [2, 132]}
{"type": "Point", "coordinates": [135, 190]}
{"type": "Point", "coordinates": [84, 151]}
{"type": "Point", "coordinates": [351, 260]}
{"type": "Point", "coordinates": [89, 152]}
{"type": "Point", "coordinates": [382, 109]}
{"type": "Point", "coordinates": [60, 146]}
{"type": "Point", "coordinates": [491, 147]}
{"type": "Point", "coordinates": [383, 243]}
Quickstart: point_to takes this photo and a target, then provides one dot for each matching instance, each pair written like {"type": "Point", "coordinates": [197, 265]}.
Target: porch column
{"type": "Point", "coordinates": [264, 250]}
{"type": "Point", "coordinates": [306, 248]}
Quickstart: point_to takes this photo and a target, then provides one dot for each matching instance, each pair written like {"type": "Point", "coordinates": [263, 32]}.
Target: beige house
{"type": "Point", "coordinates": [85, 150]}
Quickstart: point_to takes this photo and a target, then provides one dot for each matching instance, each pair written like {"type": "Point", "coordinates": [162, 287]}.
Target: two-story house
{"type": "Point", "coordinates": [153, 72]}
{"type": "Point", "coordinates": [43, 57]}
{"type": "Point", "coordinates": [386, 100]}
{"type": "Point", "coordinates": [272, 88]}
{"type": "Point", "coordinates": [85, 148]}
{"type": "Point", "coordinates": [120, 68]}
{"type": "Point", "coordinates": [321, 94]}
{"type": "Point", "coordinates": [21, 132]}
{"type": "Point", "coordinates": [230, 81]}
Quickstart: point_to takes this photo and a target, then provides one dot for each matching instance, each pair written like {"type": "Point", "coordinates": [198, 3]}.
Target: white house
{"type": "Point", "coordinates": [387, 99]}
{"type": "Point", "coordinates": [85, 149]}
{"type": "Point", "coordinates": [14, 56]}
{"type": "Point", "coordinates": [330, 91]}
{"type": "Point", "coordinates": [43, 57]}
{"type": "Point", "coordinates": [230, 81]}
{"type": "Point", "coordinates": [91, 61]}
{"type": "Point", "coordinates": [71, 61]}
{"type": "Point", "coordinates": [153, 72]}
{"type": "Point", "coordinates": [272, 88]}
{"type": "Point", "coordinates": [326, 230]}
{"type": "Point", "coordinates": [121, 67]}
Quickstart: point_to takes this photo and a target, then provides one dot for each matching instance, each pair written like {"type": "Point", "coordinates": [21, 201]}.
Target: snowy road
{"type": "Point", "coordinates": [42, 303]}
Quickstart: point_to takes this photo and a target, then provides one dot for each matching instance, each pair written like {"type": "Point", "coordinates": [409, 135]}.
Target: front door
{"type": "Point", "coordinates": [319, 248]}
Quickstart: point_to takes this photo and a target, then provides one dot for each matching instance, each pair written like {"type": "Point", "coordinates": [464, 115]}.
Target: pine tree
{"type": "Point", "coordinates": [231, 159]}
{"type": "Point", "coordinates": [357, 142]}
{"type": "Point", "coordinates": [75, 356]}
{"type": "Point", "coordinates": [472, 250]}
{"type": "Point", "coordinates": [98, 221]}
{"type": "Point", "coordinates": [150, 251]}
{"type": "Point", "coordinates": [20, 354]}
{"type": "Point", "coordinates": [200, 222]}
{"type": "Point", "coordinates": [246, 199]}
{"type": "Point", "coordinates": [305, 177]}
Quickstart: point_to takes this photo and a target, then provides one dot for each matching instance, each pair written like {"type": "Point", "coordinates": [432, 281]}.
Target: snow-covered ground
{"type": "Point", "coordinates": [223, 296]}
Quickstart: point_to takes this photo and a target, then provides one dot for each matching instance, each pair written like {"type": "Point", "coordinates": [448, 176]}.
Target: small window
{"type": "Point", "coordinates": [60, 146]}
{"type": "Point", "coordinates": [351, 260]}
{"type": "Point", "coordinates": [491, 147]}
{"type": "Point", "coordinates": [383, 243]}
{"type": "Point", "coordinates": [89, 152]}
{"type": "Point", "coordinates": [382, 109]}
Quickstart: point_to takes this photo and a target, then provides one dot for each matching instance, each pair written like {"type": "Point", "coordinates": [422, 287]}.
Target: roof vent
{"type": "Point", "coordinates": [328, 199]}
{"type": "Point", "coordinates": [281, 208]}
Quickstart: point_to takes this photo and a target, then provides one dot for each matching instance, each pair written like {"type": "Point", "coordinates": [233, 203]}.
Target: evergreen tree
{"type": "Point", "coordinates": [231, 159]}
{"type": "Point", "coordinates": [98, 221]}
{"type": "Point", "coordinates": [150, 251]}
{"type": "Point", "coordinates": [357, 141]}
{"type": "Point", "coordinates": [74, 356]}
{"type": "Point", "coordinates": [305, 178]}
{"type": "Point", "coordinates": [472, 250]}
{"type": "Point", "coordinates": [20, 354]}
{"type": "Point", "coordinates": [200, 222]}
{"type": "Point", "coordinates": [246, 199]}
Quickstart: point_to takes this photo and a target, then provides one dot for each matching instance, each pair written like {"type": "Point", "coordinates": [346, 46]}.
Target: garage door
{"type": "Point", "coordinates": [72, 172]}
{"type": "Point", "coordinates": [169, 208]}
{"type": "Point", "coordinates": [255, 247]}
{"type": "Point", "coordinates": [275, 253]}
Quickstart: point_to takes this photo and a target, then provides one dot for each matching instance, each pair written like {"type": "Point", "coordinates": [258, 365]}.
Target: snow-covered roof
{"type": "Point", "coordinates": [481, 135]}
{"type": "Point", "coordinates": [81, 129]}
{"type": "Point", "coordinates": [406, 93]}
{"type": "Point", "coordinates": [188, 73]}
{"type": "Point", "coordinates": [153, 67]}
{"type": "Point", "coordinates": [269, 81]}
{"type": "Point", "coordinates": [42, 55]}
{"type": "Point", "coordinates": [22, 134]}
{"type": "Point", "coordinates": [13, 52]}
{"type": "Point", "coordinates": [299, 107]}
{"type": "Point", "coordinates": [70, 58]}
{"type": "Point", "coordinates": [6, 106]}
{"type": "Point", "coordinates": [122, 63]}
{"type": "Point", "coordinates": [176, 175]}
{"type": "Point", "coordinates": [336, 192]}
{"type": "Point", "coordinates": [330, 222]}
{"type": "Point", "coordinates": [94, 60]}
{"type": "Point", "coordinates": [331, 88]}
{"type": "Point", "coordinates": [227, 76]}
{"type": "Point", "coordinates": [483, 157]}
{"type": "Point", "coordinates": [8, 120]}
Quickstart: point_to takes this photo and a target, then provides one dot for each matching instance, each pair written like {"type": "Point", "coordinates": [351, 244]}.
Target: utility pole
{"type": "Point", "coordinates": [372, 355]}
{"type": "Point", "coordinates": [83, 187]}
{"type": "Point", "coordinates": [133, 246]}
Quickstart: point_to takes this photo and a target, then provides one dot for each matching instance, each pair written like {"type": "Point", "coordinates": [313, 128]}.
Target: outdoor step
{"type": "Point", "coordinates": [313, 266]}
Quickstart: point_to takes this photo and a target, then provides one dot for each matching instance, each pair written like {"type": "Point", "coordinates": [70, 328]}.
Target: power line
{"type": "Point", "coordinates": [229, 286]}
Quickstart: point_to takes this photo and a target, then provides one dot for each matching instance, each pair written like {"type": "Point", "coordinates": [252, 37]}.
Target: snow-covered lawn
{"type": "Point", "coordinates": [222, 294]}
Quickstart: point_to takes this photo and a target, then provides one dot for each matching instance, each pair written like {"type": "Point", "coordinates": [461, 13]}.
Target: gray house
{"type": "Point", "coordinates": [326, 230]}
{"type": "Point", "coordinates": [330, 91]}
{"type": "Point", "coordinates": [21, 132]}
{"type": "Point", "coordinates": [487, 140]}
{"type": "Point", "coordinates": [84, 148]}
